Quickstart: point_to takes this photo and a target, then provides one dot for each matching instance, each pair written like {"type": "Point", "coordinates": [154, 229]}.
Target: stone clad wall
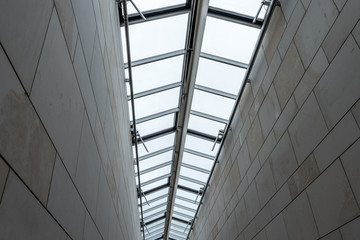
{"type": "Point", "coordinates": [66, 168]}
{"type": "Point", "coordinates": [290, 164]}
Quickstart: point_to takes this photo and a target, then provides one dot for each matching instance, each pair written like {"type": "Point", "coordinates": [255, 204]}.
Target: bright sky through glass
{"type": "Point", "coordinates": [146, 5]}
{"type": "Point", "coordinates": [229, 40]}
{"type": "Point", "coordinates": [246, 7]}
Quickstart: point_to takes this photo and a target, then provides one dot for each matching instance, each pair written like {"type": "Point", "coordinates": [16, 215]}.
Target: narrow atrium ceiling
{"type": "Point", "coordinates": [189, 61]}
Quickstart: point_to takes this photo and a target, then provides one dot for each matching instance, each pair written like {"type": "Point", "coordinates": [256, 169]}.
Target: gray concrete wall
{"type": "Point", "coordinates": [66, 169]}
{"type": "Point", "coordinates": [290, 166]}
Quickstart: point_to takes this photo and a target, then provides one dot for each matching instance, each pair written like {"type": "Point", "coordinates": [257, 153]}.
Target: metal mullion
{"type": "Point", "coordinates": [155, 189]}
{"type": "Point", "coordinates": [158, 198]}
{"type": "Point", "coordinates": [208, 116]}
{"type": "Point", "coordinates": [164, 150]}
{"type": "Point", "coordinates": [194, 168]}
{"type": "Point", "coordinates": [156, 90]}
{"type": "Point", "coordinates": [234, 17]}
{"type": "Point", "coordinates": [188, 189]}
{"type": "Point", "coordinates": [192, 180]}
{"type": "Point", "coordinates": [153, 215]}
{"type": "Point", "coordinates": [200, 154]}
{"type": "Point", "coordinates": [185, 208]}
{"type": "Point", "coordinates": [202, 135]}
{"type": "Point", "coordinates": [156, 115]}
{"type": "Point", "coordinates": [224, 60]}
{"type": "Point", "coordinates": [183, 215]}
{"type": "Point", "coordinates": [153, 208]}
{"type": "Point", "coordinates": [156, 58]}
{"type": "Point", "coordinates": [185, 199]}
{"type": "Point", "coordinates": [215, 92]}
{"type": "Point", "coordinates": [155, 167]}
{"type": "Point", "coordinates": [156, 179]}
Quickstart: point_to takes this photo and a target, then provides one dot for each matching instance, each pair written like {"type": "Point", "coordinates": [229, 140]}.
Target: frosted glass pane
{"type": "Point", "coordinates": [229, 40]}
{"type": "Point", "coordinates": [155, 125]}
{"type": "Point", "coordinates": [246, 7]}
{"type": "Point", "coordinates": [155, 184]}
{"type": "Point", "coordinates": [156, 103]}
{"type": "Point", "coordinates": [197, 161]}
{"type": "Point", "coordinates": [193, 174]}
{"type": "Point", "coordinates": [186, 204]}
{"type": "Point", "coordinates": [161, 210]}
{"type": "Point", "coordinates": [156, 160]}
{"type": "Point", "coordinates": [156, 37]}
{"type": "Point", "coordinates": [177, 209]}
{"type": "Point", "coordinates": [204, 125]}
{"type": "Point", "coordinates": [154, 174]}
{"type": "Point", "coordinates": [189, 184]}
{"type": "Point", "coordinates": [156, 144]}
{"type": "Point", "coordinates": [185, 194]}
{"type": "Point", "coordinates": [200, 145]}
{"type": "Point", "coordinates": [220, 76]}
{"type": "Point", "coordinates": [146, 5]}
{"type": "Point", "coordinates": [155, 195]}
{"type": "Point", "coordinates": [212, 104]}
{"type": "Point", "coordinates": [157, 74]}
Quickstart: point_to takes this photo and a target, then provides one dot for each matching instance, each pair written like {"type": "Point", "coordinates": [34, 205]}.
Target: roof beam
{"type": "Point", "coordinates": [193, 46]}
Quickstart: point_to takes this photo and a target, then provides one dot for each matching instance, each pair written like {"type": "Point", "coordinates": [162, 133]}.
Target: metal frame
{"type": "Point", "coordinates": [224, 60]}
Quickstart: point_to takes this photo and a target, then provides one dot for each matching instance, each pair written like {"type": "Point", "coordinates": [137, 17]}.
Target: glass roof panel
{"type": "Point", "coordinates": [189, 184]}
{"type": "Point", "coordinates": [146, 5]}
{"type": "Point", "coordinates": [156, 37]}
{"type": "Point", "coordinates": [190, 173]}
{"type": "Point", "coordinates": [155, 103]}
{"type": "Point", "coordinates": [184, 211]}
{"type": "Point", "coordinates": [185, 194]}
{"type": "Point", "coordinates": [154, 185]}
{"type": "Point", "coordinates": [220, 76]}
{"type": "Point", "coordinates": [212, 104]}
{"type": "Point", "coordinates": [229, 40]}
{"type": "Point", "coordinates": [160, 209]}
{"type": "Point", "coordinates": [204, 125]}
{"type": "Point", "coordinates": [156, 160]}
{"type": "Point", "coordinates": [200, 145]}
{"type": "Point", "coordinates": [157, 74]}
{"type": "Point", "coordinates": [156, 194]}
{"type": "Point", "coordinates": [197, 161]}
{"type": "Point", "coordinates": [246, 7]}
{"type": "Point", "coordinates": [156, 144]}
{"type": "Point", "coordinates": [155, 125]}
{"type": "Point", "coordinates": [156, 173]}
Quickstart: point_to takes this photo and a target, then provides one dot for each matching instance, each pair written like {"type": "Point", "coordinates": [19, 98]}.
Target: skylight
{"type": "Point", "coordinates": [182, 106]}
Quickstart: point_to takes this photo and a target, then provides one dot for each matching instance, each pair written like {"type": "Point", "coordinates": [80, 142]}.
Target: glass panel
{"type": "Point", "coordinates": [197, 161]}
{"type": "Point", "coordinates": [153, 204]}
{"type": "Point", "coordinates": [229, 40]}
{"type": "Point", "coordinates": [154, 217]}
{"type": "Point", "coordinates": [156, 194]}
{"type": "Point", "coordinates": [155, 125]}
{"type": "Point", "coordinates": [212, 104]}
{"type": "Point", "coordinates": [186, 204]}
{"type": "Point", "coordinates": [190, 173]}
{"type": "Point", "coordinates": [177, 223]}
{"type": "Point", "coordinates": [146, 5]}
{"type": "Point", "coordinates": [157, 74]}
{"type": "Point", "coordinates": [204, 125]}
{"type": "Point", "coordinates": [220, 76]}
{"type": "Point", "coordinates": [156, 173]}
{"type": "Point", "coordinates": [156, 144]}
{"type": "Point", "coordinates": [246, 7]}
{"type": "Point", "coordinates": [175, 215]}
{"type": "Point", "coordinates": [156, 37]}
{"type": "Point", "coordinates": [161, 209]}
{"type": "Point", "coordinates": [155, 184]}
{"type": "Point", "coordinates": [177, 209]}
{"type": "Point", "coordinates": [200, 145]}
{"type": "Point", "coordinates": [185, 194]}
{"type": "Point", "coordinates": [156, 160]}
{"type": "Point", "coordinates": [156, 223]}
{"type": "Point", "coordinates": [188, 184]}
{"type": "Point", "coordinates": [156, 103]}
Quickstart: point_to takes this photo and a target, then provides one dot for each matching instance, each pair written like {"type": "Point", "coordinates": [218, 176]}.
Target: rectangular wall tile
{"type": "Point", "coordinates": [331, 148]}
{"type": "Point", "coordinates": [286, 116]}
{"type": "Point", "coordinates": [254, 138]}
{"type": "Point", "coordinates": [265, 184]}
{"type": "Point", "coordinates": [271, 72]}
{"type": "Point", "coordinates": [279, 201]}
{"type": "Point", "coordinates": [356, 32]}
{"type": "Point", "coordinates": [22, 134]}
{"type": "Point", "coordinates": [307, 129]}
{"type": "Point", "coordinates": [90, 231]}
{"type": "Point", "coordinates": [252, 201]}
{"type": "Point", "coordinates": [56, 96]}
{"type": "Point", "coordinates": [4, 171]}
{"type": "Point", "coordinates": [351, 230]}
{"type": "Point", "coordinates": [23, 32]}
{"type": "Point", "coordinates": [269, 111]}
{"type": "Point", "coordinates": [23, 217]}
{"type": "Point", "coordinates": [332, 200]}
{"type": "Point", "coordinates": [290, 72]}
{"type": "Point", "coordinates": [318, 19]}
{"type": "Point", "coordinates": [336, 97]}
{"type": "Point", "coordinates": [65, 203]}
{"type": "Point", "coordinates": [276, 229]}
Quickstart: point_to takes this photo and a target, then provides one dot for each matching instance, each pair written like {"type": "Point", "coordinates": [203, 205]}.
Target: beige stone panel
{"type": "Point", "coordinates": [341, 28]}
{"type": "Point", "coordinates": [332, 200]}
{"type": "Point", "coordinates": [273, 33]}
{"type": "Point", "coordinates": [269, 111]}
{"type": "Point", "coordinates": [267, 148]}
{"type": "Point", "coordinates": [24, 142]}
{"type": "Point", "coordinates": [333, 236]}
{"type": "Point", "coordinates": [337, 97]}
{"type": "Point", "coordinates": [280, 200]}
{"type": "Point", "coordinates": [243, 160]}
{"type": "Point", "coordinates": [253, 169]}
{"type": "Point", "coordinates": [246, 101]}
{"type": "Point", "coordinates": [356, 112]}
{"type": "Point", "coordinates": [287, 115]}
{"type": "Point", "coordinates": [337, 141]}
{"type": "Point", "coordinates": [271, 72]}
{"type": "Point", "coordinates": [290, 72]}
{"type": "Point", "coordinates": [254, 139]}
{"type": "Point", "coordinates": [276, 229]}
{"type": "Point", "coordinates": [351, 230]}
{"type": "Point", "coordinates": [303, 176]}
{"type": "Point", "coordinates": [56, 96]}
{"type": "Point", "coordinates": [23, 26]}
{"type": "Point", "coordinates": [350, 160]}
{"type": "Point", "coordinates": [265, 184]}
{"type": "Point", "coordinates": [258, 71]}
{"type": "Point", "coordinates": [356, 33]}
{"type": "Point", "coordinates": [311, 77]}
{"type": "Point", "coordinates": [4, 171]}
{"type": "Point", "coordinates": [340, 4]}
{"type": "Point", "coordinates": [252, 201]}
{"type": "Point", "coordinates": [299, 220]}
{"type": "Point", "coordinates": [307, 129]}
{"type": "Point", "coordinates": [316, 23]}
{"type": "Point", "coordinates": [67, 20]}
{"type": "Point", "coordinates": [283, 161]}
